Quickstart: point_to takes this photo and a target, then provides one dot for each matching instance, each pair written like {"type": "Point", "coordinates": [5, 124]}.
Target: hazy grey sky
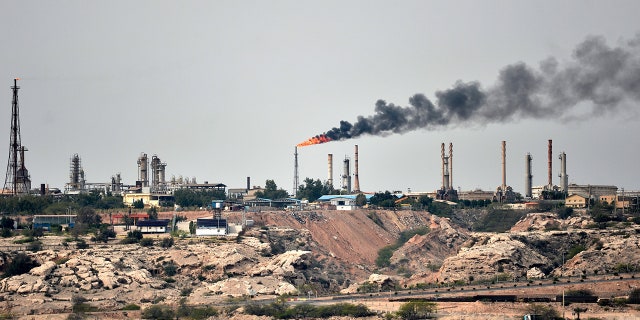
{"type": "Point", "coordinates": [222, 90]}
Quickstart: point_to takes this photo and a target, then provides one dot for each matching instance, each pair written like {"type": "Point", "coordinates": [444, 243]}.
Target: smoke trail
{"type": "Point", "coordinates": [602, 76]}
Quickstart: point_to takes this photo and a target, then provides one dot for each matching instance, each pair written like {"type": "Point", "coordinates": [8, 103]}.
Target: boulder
{"type": "Point", "coordinates": [535, 273]}
{"type": "Point", "coordinates": [43, 270]}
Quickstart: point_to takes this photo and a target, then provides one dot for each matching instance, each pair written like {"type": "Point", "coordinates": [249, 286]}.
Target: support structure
{"type": "Point", "coordinates": [17, 180]}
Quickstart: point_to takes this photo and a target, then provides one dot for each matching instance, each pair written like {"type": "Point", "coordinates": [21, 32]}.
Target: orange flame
{"type": "Point", "coordinates": [314, 140]}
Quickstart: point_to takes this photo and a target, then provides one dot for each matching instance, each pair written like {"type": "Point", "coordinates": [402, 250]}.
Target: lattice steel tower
{"type": "Point", "coordinates": [17, 180]}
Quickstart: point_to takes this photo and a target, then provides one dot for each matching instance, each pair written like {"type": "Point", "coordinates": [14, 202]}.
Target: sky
{"type": "Point", "coordinates": [225, 90]}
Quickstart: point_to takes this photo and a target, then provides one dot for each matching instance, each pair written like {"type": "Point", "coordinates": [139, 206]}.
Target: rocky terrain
{"type": "Point", "coordinates": [321, 252]}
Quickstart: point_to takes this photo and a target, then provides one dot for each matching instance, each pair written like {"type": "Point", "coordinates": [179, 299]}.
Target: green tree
{"type": "Point", "coordinates": [385, 200]}
{"type": "Point", "coordinates": [6, 223]}
{"type": "Point", "coordinates": [425, 201]}
{"type": "Point", "coordinates": [89, 217]}
{"type": "Point", "coordinates": [197, 198]}
{"type": "Point", "coordinates": [361, 200]}
{"type": "Point", "coordinates": [414, 310]}
{"type": "Point", "coordinates": [314, 189]}
{"type": "Point", "coordinates": [153, 213]}
{"type": "Point", "coordinates": [271, 191]}
{"type": "Point", "coordinates": [138, 204]}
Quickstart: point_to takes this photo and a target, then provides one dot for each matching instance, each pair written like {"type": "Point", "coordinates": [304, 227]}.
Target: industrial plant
{"type": "Point", "coordinates": [152, 187]}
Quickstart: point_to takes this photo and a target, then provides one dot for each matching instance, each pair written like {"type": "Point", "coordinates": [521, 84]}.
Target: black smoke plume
{"type": "Point", "coordinates": [598, 79]}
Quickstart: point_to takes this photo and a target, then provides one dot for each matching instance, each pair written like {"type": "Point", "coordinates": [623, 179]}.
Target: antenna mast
{"type": "Point", "coordinates": [17, 180]}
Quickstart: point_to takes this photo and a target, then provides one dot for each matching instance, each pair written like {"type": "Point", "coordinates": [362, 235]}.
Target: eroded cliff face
{"type": "Point", "coordinates": [111, 276]}
{"type": "Point", "coordinates": [320, 252]}
{"type": "Point", "coordinates": [535, 248]}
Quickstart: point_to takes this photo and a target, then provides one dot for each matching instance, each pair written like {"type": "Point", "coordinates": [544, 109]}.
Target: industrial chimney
{"type": "Point", "coordinates": [564, 179]}
{"type": "Point", "coordinates": [445, 170]}
{"type": "Point", "coordinates": [504, 166]}
{"type": "Point", "coordinates": [248, 184]}
{"type": "Point", "coordinates": [549, 169]}
{"type": "Point", "coordinates": [346, 176]}
{"type": "Point", "coordinates": [296, 179]}
{"type": "Point", "coordinates": [451, 165]}
{"type": "Point", "coordinates": [356, 180]}
{"type": "Point", "coordinates": [528, 181]}
{"type": "Point", "coordinates": [330, 166]}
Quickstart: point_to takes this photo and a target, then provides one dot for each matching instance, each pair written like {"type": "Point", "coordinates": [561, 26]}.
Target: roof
{"type": "Point", "coordinates": [133, 215]}
{"type": "Point", "coordinates": [153, 223]}
{"type": "Point", "coordinates": [211, 223]}
{"type": "Point", "coordinates": [329, 197]}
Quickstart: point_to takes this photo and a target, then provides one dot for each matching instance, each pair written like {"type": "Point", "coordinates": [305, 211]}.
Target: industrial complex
{"type": "Point", "coordinates": [153, 189]}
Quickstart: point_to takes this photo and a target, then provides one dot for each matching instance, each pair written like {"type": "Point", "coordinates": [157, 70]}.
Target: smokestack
{"type": "Point", "coordinates": [356, 180]}
{"type": "Point", "coordinates": [443, 175]}
{"type": "Point", "coordinates": [346, 176]}
{"type": "Point", "coordinates": [549, 170]}
{"type": "Point", "coordinates": [330, 164]}
{"type": "Point", "coordinates": [528, 181]}
{"type": "Point", "coordinates": [248, 184]}
{"type": "Point", "coordinates": [564, 179]}
{"type": "Point", "coordinates": [296, 180]}
{"type": "Point", "coordinates": [504, 166]}
{"type": "Point", "coordinates": [451, 165]}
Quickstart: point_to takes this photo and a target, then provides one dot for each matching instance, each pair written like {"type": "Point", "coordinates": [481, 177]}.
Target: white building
{"type": "Point", "coordinates": [211, 227]}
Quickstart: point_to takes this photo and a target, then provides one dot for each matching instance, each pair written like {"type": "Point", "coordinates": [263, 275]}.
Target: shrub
{"type": "Point", "coordinates": [634, 296]}
{"type": "Point", "coordinates": [281, 311]}
{"type": "Point", "coordinates": [146, 242]}
{"type": "Point", "coordinates": [196, 313]}
{"type": "Point", "coordinates": [170, 269]}
{"type": "Point", "coordinates": [166, 242]}
{"type": "Point", "coordinates": [20, 264]}
{"type": "Point", "coordinates": [81, 244]}
{"type": "Point", "coordinates": [545, 312]}
{"type": "Point", "coordinates": [80, 305]}
{"type": "Point", "coordinates": [131, 306]}
{"type": "Point", "coordinates": [160, 312]}
{"type": "Point", "coordinates": [34, 246]}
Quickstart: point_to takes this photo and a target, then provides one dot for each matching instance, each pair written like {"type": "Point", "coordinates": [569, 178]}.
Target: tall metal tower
{"type": "Point", "coordinates": [17, 181]}
{"type": "Point", "coordinates": [296, 178]}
